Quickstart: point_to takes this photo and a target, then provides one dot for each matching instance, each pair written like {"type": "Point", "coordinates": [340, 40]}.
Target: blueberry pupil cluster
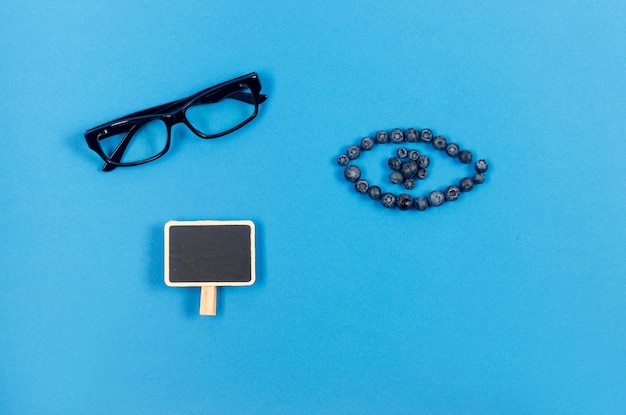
{"type": "Point", "coordinates": [408, 166]}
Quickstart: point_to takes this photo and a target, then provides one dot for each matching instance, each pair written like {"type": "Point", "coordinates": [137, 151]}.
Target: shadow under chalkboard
{"type": "Point", "coordinates": [190, 297]}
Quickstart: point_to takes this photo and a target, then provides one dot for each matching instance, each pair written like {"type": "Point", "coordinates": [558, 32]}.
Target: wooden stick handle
{"type": "Point", "coordinates": [208, 300]}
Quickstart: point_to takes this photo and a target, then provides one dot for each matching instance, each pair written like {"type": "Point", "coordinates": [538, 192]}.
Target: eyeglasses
{"type": "Point", "coordinates": [145, 136]}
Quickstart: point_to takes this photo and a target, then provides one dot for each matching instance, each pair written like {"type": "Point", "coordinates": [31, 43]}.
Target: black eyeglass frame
{"type": "Point", "coordinates": [171, 114]}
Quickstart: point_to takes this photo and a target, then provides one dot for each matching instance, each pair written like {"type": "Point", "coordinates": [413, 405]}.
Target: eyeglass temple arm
{"type": "Point", "coordinates": [117, 154]}
{"type": "Point", "coordinates": [160, 109]}
{"type": "Point", "coordinates": [247, 97]}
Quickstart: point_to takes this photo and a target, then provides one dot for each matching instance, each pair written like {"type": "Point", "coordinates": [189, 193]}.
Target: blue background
{"type": "Point", "coordinates": [511, 300]}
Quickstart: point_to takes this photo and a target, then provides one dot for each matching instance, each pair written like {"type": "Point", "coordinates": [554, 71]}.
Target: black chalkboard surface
{"type": "Point", "coordinates": [208, 254]}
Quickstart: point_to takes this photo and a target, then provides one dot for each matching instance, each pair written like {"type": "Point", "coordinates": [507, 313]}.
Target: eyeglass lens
{"type": "Point", "coordinates": [145, 140]}
{"type": "Point", "coordinates": [212, 118]}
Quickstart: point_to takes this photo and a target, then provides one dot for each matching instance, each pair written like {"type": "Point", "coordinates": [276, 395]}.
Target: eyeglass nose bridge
{"type": "Point", "coordinates": [174, 118]}
{"type": "Point", "coordinates": [179, 117]}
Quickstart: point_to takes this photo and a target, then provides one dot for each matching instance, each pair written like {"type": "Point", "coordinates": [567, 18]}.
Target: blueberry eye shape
{"type": "Point", "coordinates": [407, 166]}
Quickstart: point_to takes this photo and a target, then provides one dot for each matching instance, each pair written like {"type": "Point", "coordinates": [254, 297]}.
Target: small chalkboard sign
{"type": "Point", "coordinates": [208, 254]}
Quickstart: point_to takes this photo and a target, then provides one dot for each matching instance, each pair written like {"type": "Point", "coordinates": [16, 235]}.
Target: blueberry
{"type": "Point", "coordinates": [396, 136]}
{"type": "Point", "coordinates": [396, 177]}
{"type": "Point", "coordinates": [465, 157]}
{"type": "Point", "coordinates": [343, 160]}
{"type": "Point", "coordinates": [382, 137]}
{"type": "Point", "coordinates": [404, 201]}
{"type": "Point", "coordinates": [452, 193]}
{"type": "Point", "coordinates": [409, 184]}
{"type": "Point", "coordinates": [466, 184]}
{"type": "Point", "coordinates": [388, 200]}
{"type": "Point", "coordinates": [367, 143]}
{"type": "Point", "coordinates": [481, 166]}
{"type": "Point", "coordinates": [436, 198]}
{"type": "Point", "coordinates": [353, 152]}
{"type": "Point", "coordinates": [421, 203]}
{"type": "Point", "coordinates": [394, 163]}
{"type": "Point", "coordinates": [423, 161]}
{"type": "Point", "coordinates": [374, 192]}
{"type": "Point", "coordinates": [361, 186]}
{"type": "Point", "coordinates": [403, 153]}
{"type": "Point", "coordinates": [440, 142]}
{"type": "Point", "coordinates": [426, 135]}
{"type": "Point", "coordinates": [421, 173]}
{"type": "Point", "coordinates": [414, 155]}
{"type": "Point", "coordinates": [352, 173]}
{"type": "Point", "coordinates": [478, 178]}
{"type": "Point", "coordinates": [453, 150]}
{"type": "Point", "coordinates": [408, 169]}
{"type": "Point", "coordinates": [411, 135]}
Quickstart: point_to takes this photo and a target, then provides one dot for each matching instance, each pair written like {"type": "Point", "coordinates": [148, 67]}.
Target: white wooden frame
{"type": "Point", "coordinates": [208, 294]}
